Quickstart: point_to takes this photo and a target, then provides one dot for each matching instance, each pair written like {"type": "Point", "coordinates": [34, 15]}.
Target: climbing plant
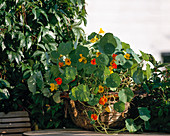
{"type": "Point", "coordinates": [29, 30]}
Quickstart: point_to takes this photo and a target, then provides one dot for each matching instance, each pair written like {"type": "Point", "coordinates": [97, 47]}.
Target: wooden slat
{"type": "Point", "coordinates": [12, 125]}
{"type": "Point", "coordinates": [14, 114]}
{"type": "Point", "coordinates": [10, 120]}
{"type": "Point", "coordinates": [11, 134]}
{"type": "Point", "coordinates": [14, 130]}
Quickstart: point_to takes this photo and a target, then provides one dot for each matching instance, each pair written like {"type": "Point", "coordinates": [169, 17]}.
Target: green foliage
{"type": "Point", "coordinates": [70, 74]}
{"type": "Point", "coordinates": [30, 33]}
{"type": "Point", "coordinates": [125, 46]}
{"type": "Point", "coordinates": [107, 44]}
{"type": "Point", "coordinates": [65, 48]}
{"type": "Point", "coordinates": [138, 76]}
{"type": "Point", "coordinates": [120, 60]}
{"type": "Point", "coordinates": [145, 56]}
{"type": "Point", "coordinates": [119, 106]}
{"type": "Point", "coordinates": [148, 71]}
{"type": "Point", "coordinates": [144, 113]}
{"type": "Point", "coordinates": [126, 95]}
{"type": "Point", "coordinates": [113, 80]}
{"type": "Point", "coordinates": [4, 94]}
{"type": "Point", "coordinates": [130, 125]}
{"type": "Point", "coordinates": [56, 97]}
{"type": "Point", "coordinates": [102, 60]}
{"type": "Point", "coordinates": [81, 92]}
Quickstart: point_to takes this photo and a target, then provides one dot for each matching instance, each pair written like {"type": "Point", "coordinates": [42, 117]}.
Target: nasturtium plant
{"type": "Point", "coordinates": [101, 74]}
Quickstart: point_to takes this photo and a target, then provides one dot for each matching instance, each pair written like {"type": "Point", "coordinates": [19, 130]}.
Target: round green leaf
{"type": "Point", "coordinates": [113, 80]}
{"type": "Point", "coordinates": [65, 48]}
{"type": "Point", "coordinates": [130, 125]}
{"type": "Point", "coordinates": [99, 73]}
{"type": "Point", "coordinates": [107, 44]}
{"type": "Point", "coordinates": [82, 50]}
{"type": "Point", "coordinates": [89, 68]}
{"type": "Point", "coordinates": [93, 100]}
{"type": "Point", "coordinates": [70, 74]}
{"type": "Point", "coordinates": [103, 59]}
{"type": "Point", "coordinates": [128, 64]}
{"type": "Point", "coordinates": [74, 57]}
{"type": "Point", "coordinates": [46, 92]}
{"type": "Point", "coordinates": [56, 97]}
{"type": "Point", "coordinates": [125, 95]}
{"type": "Point", "coordinates": [120, 59]}
{"type": "Point", "coordinates": [119, 106]}
{"type": "Point", "coordinates": [144, 113]}
{"type": "Point", "coordinates": [81, 92]}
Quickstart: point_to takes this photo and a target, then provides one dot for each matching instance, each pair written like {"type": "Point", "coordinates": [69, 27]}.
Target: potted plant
{"type": "Point", "coordinates": [98, 77]}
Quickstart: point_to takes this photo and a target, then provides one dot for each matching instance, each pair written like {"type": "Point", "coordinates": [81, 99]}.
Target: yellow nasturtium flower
{"type": "Point", "coordinates": [127, 56]}
{"type": "Point", "coordinates": [101, 31]}
{"type": "Point", "coordinates": [101, 89]}
{"type": "Point", "coordinates": [108, 109]}
{"type": "Point", "coordinates": [67, 61]}
{"type": "Point", "coordinates": [98, 53]}
{"type": "Point", "coordinates": [82, 59]}
{"type": "Point", "coordinates": [93, 40]}
{"type": "Point", "coordinates": [53, 87]}
{"type": "Point", "coordinates": [111, 69]}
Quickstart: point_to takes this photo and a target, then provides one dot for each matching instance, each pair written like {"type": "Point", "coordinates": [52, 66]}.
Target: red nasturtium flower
{"type": "Point", "coordinates": [114, 56]}
{"type": "Point", "coordinates": [58, 80]}
{"type": "Point", "coordinates": [61, 64]}
{"type": "Point", "coordinates": [94, 116]}
{"type": "Point", "coordinates": [102, 100]}
{"type": "Point", "coordinates": [114, 66]}
{"type": "Point", "coordinates": [93, 61]}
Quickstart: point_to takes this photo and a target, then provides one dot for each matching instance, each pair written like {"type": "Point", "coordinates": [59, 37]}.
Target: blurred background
{"type": "Point", "coordinates": [144, 24]}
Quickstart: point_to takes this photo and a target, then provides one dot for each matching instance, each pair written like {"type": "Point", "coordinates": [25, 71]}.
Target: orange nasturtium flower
{"type": "Point", "coordinates": [94, 116]}
{"type": "Point", "coordinates": [114, 66]}
{"type": "Point", "coordinates": [127, 56]}
{"type": "Point", "coordinates": [111, 63]}
{"type": "Point", "coordinates": [67, 61]}
{"type": "Point", "coordinates": [53, 87]}
{"type": "Point", "coordinates": [102, 100]}
{"type": "Point", "coordinates": [61, 64]}
{"type": "Point", "coordinates": [101, 31]}
{"type": "Point", "coordinates": [101, 89]}
{"type": "Point", "coordinates": [93, 61]}
{"type": "Point", "coordinates": [98, 53]}
{"type": "Point", "coordinates": [93, 40]}
{"type": "Point", "coordinates": [58, 80]}
{"type": "Point", "coordinates": [82, 59]}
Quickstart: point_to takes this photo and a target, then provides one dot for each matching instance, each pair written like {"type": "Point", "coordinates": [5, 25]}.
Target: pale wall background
{"type": "Point", "coordinates": [144, 24]}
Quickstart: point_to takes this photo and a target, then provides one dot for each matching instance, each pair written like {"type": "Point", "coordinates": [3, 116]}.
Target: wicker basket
{"type": "Point", "coordinates": [79, 117]}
